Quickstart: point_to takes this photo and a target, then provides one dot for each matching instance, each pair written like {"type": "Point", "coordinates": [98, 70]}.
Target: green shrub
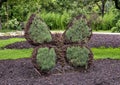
{"type": "Point", "coordinates": [13, 24]}
{"type": "Point", "coordinates": [114, 29]}
{"type": "Point", "coordinates": [56, 21]}
{"type": "Point", "coordinates": [108, 21]}
{"type": "Point", "coordinates": [38, 31]}
{"type": "Point", "coordinates": [46, 58]}
{"type": "Point", "coordinates": [78, 56]}
{"type": "Point", "coordinates": [117, 28]}
{"type": "Point", "coordinates": [79, 31]}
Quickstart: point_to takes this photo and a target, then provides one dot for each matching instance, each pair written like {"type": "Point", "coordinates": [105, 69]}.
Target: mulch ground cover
{"type": "Point", "coordinates": [97, 40]}
{"type": "Point", "coordinates": [22, 72]}
{"type": "Point", "coordinates": [102, 72]}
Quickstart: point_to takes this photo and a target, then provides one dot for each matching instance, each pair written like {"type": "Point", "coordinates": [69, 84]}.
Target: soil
{"type": "Point", "coordinates": [101, 72]}
{"type": "Point", "coordinates": [97, 40]}
{"type": "Point", "coordinates": [7, 37]}
{"type": "Point", "coordinates": [22, 72]}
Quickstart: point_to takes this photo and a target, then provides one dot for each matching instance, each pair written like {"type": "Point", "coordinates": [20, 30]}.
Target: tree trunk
{"type": "Point", "coordinates": [103, 7]}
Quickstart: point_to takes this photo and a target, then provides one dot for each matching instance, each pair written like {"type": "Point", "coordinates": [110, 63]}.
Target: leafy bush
{"type": "Point", "coordinates": [38, 31]}
{"type": "Point", "coordinates": [95, 21]}
{"type": "Point", "coordinates": [13, 24]}
{"type": "Point", "coordinates": [108, 21]}
{"type": "Point", "coordinates": [46, 58]}
{"type": "Point", "coordinates": [77, 56]}
{"type": "Point", "coordinates": [79, 31]}
{"type": "Point", "coordinates": [117, 28]}
{"type": "Point", "coordinates": [56, 21]}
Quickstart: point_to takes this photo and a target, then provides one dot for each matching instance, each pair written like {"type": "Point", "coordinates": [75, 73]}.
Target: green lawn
{"type": "Point", "coordinates": [10, 41]}
{"type": "Point", "coordinates": [99, 53]}
{"type": "Point", "coordinates": [15, 53]}
{"type": "Point", "coordinates": [103, 53]}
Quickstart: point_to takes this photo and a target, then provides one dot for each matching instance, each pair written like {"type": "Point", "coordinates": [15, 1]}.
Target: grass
{"type": "Point", "coordinates": [104, 53]}
{"type": "Point", "coordinates": [7, 30]}
{"type": "Point", "coordinates": [10, 41]}
{"type": "Point", "coordinates": [99, 53]}
{"type": "Point", "coordinates": [15, 54]}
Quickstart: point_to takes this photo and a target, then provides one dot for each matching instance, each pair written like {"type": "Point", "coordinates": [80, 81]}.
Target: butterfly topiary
{"type": "Point", "coordinates": [59, 49]}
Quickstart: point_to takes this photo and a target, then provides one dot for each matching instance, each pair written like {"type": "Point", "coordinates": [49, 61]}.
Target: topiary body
{"type": "Point", "coordinates": [54, 50]}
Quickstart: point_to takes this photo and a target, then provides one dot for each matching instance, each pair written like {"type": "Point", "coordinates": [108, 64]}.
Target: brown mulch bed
{"type": "Point", "coordinates": [7, 37]}
{"type": "Point", "coordinates": [102, 72]}
{"type": "Point", "coordinates": [22, 72]}
{"type": "Point", "coordinates": [97, 40]}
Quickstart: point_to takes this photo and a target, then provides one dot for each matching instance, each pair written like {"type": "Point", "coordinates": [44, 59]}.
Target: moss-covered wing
{"type": "Point", "coordinates": [45, 59]}
{"type": "Point", "coordinates": [78, 30]}
{"type": "Point", "coordinates": [78, 56]}
{"type": "Point", "coordinates": [37, 31]}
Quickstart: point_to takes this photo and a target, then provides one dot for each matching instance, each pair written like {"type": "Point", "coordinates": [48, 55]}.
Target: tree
{"type": "Point", "coordinates": [117, 4]}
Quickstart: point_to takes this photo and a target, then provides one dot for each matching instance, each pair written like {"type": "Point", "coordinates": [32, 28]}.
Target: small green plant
{"type": "Point", "coordinates": [117, 28]}
{"type": "Point", "coordinates": [46, 58]}
{"type": "Point", "coordinates": [78, 56]}
{"type": "Point", "coordinates": [79, 31]}
{"type": "Point", "coordinates": [38, 31]}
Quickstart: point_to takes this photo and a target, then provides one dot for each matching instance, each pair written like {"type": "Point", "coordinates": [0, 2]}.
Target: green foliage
{"type": "Point", "coordinates": [56, 21]}
{"type": "Point", "coordinates": [15, 53]}
{"type": "Point", "coordinates": [108, 21]}
{"type": "Point", "coordinates": [79, 31]}
{"type": "Point", "coordinates": [13, 24]}
{"type": "Point", "coordinates": [38, 31]}
{"type": "Point", "coordinates": [46, 58]}
{"type": "Point", "coordinates": [3, 43]}
{"type": "Point", "coordinates": [95, 21]}
{"type": "Point", "coordinates": [117, 28]}
{"type": "Point", "coordinates": [78, 56]}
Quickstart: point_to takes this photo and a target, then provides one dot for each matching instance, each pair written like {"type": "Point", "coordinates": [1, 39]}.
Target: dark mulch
{"type": "Point", "coordinates": [19, 45]}
{"type": "Point", "coordinates": [22, 72]}
{"type": "Point", "coordinates": [105, 40]}
{"type": "Point", "coordinates": [7, 37]}
{"type": "Point", "coordinates": [97, 40]}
